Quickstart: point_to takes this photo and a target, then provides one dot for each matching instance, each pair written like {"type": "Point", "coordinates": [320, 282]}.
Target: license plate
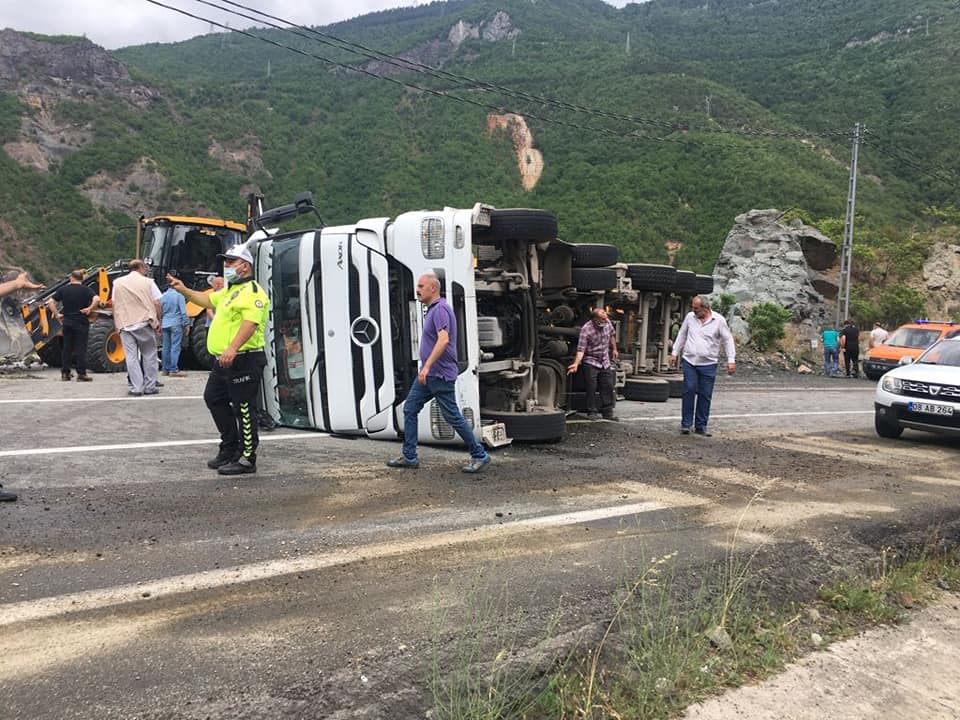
{"type": "Point", "coordinates": [930, 408]}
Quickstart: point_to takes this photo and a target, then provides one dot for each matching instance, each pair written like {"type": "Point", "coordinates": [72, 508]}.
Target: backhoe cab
{"type": "Point", "coordinates": [187, 245]}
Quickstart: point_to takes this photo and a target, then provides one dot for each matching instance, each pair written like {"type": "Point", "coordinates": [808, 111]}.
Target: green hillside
{"type": "Point", "coordinates": [691, 113]}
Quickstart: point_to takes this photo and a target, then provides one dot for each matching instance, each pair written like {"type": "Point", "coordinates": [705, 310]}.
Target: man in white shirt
{"type": "Point", "coordinates": [136, 314]}
{"type": "Point", "coordinates": [699, 342]}
{"type": "Point", "coordinates": [878, 336]}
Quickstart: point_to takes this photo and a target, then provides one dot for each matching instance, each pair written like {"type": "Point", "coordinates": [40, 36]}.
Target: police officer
{"type": "Point", "coordinates": [235, 339]}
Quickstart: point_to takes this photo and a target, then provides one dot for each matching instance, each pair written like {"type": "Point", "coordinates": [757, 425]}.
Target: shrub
{"type": "Point", "coordinates": [724, 304]}
{"type": "Point", "coordinates": [766, 322]}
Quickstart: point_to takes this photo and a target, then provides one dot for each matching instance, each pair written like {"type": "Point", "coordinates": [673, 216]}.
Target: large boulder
{"type": "Point", "coordinates": [789, 263]}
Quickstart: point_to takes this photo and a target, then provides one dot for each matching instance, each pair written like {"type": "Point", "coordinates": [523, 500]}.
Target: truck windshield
{"type": "Point", "coordinates": [287, 333]}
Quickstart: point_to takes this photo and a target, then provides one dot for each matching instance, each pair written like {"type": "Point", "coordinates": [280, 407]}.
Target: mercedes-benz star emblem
{"type": "Point", "coordinates": [364, 331]}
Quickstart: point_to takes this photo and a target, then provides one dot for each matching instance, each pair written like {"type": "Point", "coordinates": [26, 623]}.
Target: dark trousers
{"type": "Point", "coordinates": [851, 362]}
{"type": "Point", "coordinates": [698, 381]}
{"type": "Point", "coordinates": [230, 396]}
{"type": "Point", "coordinates": [75, 346]}
{"type": "Point", "coordinates": [595, 379]}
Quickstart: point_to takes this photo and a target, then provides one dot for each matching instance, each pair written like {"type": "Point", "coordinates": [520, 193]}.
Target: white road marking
{"type": "Point", "coordinates": [138, 446]}
{"type": "Point", "coordinates": [755, 415]}
{"type": "Point", "coordinates": [87, 600]}
{"type": "Point", "coordinates": [125, 398]}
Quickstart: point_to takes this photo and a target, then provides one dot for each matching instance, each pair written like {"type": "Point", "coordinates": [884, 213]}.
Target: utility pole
{"type": "Point", "coordinates": [846, 254]}
{"type": "Point", "coordinates": [628, 42]}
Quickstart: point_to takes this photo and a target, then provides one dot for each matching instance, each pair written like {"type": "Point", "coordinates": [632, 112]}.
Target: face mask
{"type": "Point", "coordinates": [230, 275]}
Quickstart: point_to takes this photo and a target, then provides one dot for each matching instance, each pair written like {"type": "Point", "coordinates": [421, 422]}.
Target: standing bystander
{"type": "Point", "coordinates": [175, 324]}
{"type": "Point", "coordinates": [850, 342]}
{"type": "Point", "coordinates": [595, 347]}
{"type": "Point", "coordinates": [437, 379]}
{"type": "Point", "coordinates": [831, 352]}
{"type": "Point", "coordinates": [77, 301]}
{"type": "Point", "coordinates": [236, 341]}
{"type": "Point", "coordinates": [699, 340]}
{"type": "Point", "coordinates": [878, 336]}
{"type": "Point", "coordinates": [136, 314]}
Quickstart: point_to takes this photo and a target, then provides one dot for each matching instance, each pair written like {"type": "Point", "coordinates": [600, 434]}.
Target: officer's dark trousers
{"type": "Point", "coordinates": [231, 398]}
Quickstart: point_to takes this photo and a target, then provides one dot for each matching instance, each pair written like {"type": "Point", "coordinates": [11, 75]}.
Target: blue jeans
{"type": "Point", "coordinates": [698, 383]}
{"type": "Point", "coordinates": [443, 392]}
{"type": "Point", "coordinates": [172, 338]}
{"type": "Point", "coordinates": [831, 361]}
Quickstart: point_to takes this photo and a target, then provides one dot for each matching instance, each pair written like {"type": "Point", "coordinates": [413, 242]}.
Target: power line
{"type": "Point", "coordinates": [408, 64]}
{"type": "Point", "coordinates": [447, 94]}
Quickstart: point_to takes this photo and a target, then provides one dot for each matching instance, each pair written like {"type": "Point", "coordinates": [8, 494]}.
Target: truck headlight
{"type": "Point", "coordinates": [431, 238]}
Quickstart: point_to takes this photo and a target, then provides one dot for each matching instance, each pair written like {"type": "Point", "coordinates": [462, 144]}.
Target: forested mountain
{"type": "Point", "coordinates": [656, 124]}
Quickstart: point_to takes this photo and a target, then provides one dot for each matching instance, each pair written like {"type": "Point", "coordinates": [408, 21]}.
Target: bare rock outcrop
{"type": "Point", "coordinates": [789, 263]}
{"type": "Point", "coordinates": [43, 75]}
{"type": "Point", "coordinates": [437, 51]}
{"type": "Point", "coordinates": [941, 281]}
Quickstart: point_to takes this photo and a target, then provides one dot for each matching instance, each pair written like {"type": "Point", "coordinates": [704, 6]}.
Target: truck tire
{"type": "Point", "coordinates": [536, 426]}
{"type": "Point", "coordinates": [104, 349]}
{"type": "Point", "coordinates": [591, 255]}
{"type": "Point", "coordinates": [52, 352]}
{"type": "Point", "coordinates": [652, 277]}
{"type": "Point", "coordinates": [517, 224]}
{"type": "Point", "coordinates": [704, 284]}
{"type": "Point", "coordinates": [686, 283]}
{"type": "Point", "coordinates": [646, 389]}
{"type": "Point", "coordinates": [675, 380]}
{"type": "Point", "coordinates": [594, 278]}
{"type": "Point", "coordinates": [198, 343]}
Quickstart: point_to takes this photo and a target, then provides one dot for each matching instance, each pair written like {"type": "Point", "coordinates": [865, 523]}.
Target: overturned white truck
{"type": "Point", "coordinates": [345, 324]}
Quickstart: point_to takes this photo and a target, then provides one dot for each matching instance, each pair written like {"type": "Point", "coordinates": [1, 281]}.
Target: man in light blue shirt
{"type": "Point", "coordinates": [175, 324]}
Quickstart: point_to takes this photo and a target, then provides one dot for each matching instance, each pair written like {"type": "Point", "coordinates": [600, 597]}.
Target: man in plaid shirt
{"type": "Point", "coordinates": [594, 350]}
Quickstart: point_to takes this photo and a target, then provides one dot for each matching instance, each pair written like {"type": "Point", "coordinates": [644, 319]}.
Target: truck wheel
{"type": "Point", "coordinates": [52, 352]}
{"type": "Point", "coordinates": [646, 389]}
{"type": "Point", "coordinates": [592, 255]}
{"type": "Point", "coordinates": [675, 380]}
{"type": "Point", "coordinates": [517, 224]}
{"type": "Point", "coordinates": [104, 349]}
{"type": "Point", "coordinates": [686, 283]}
{"type": "Point", "coordinates": [704, 284]}
{"type": "Point", "coordinates": [885, 428]}
{"type": "Point", "coordinates": [652, 277]}
{"type": "Point", "coordinates": [198, 343]}
{"type": "Point", "coordinates": [594, 278]}
{"type": "Point", "coordinates": [535, 426]}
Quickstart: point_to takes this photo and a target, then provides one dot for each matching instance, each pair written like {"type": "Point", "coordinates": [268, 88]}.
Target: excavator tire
{"type": "Point", "coordinates": [104, 349]}
{"type": "Point", "coordinates": [198, 343]}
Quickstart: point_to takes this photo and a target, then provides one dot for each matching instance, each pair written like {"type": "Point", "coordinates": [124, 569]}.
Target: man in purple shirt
{"type": "Point", "coordinates": [594, 349]}
{"type": "Point", "coordinates": [436, 379]}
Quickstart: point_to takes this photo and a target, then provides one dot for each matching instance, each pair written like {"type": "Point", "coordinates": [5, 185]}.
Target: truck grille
{"type": "Point", "coordinates": [440, 428]}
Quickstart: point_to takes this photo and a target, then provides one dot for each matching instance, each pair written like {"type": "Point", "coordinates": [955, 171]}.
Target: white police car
{"type": "Point", "coordinates": [923, 394]}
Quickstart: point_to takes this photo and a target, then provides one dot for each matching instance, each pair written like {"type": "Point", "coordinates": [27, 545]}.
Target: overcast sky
{"type": "Point", "coordinates": [117, 23]}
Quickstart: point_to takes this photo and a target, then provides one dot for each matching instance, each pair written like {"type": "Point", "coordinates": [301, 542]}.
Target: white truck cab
{"type": "Point", "coordinates": [344, 327]}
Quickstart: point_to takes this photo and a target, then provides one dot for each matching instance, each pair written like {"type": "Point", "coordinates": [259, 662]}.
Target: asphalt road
{"type": "Point", "coordinates": [136, 583]}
